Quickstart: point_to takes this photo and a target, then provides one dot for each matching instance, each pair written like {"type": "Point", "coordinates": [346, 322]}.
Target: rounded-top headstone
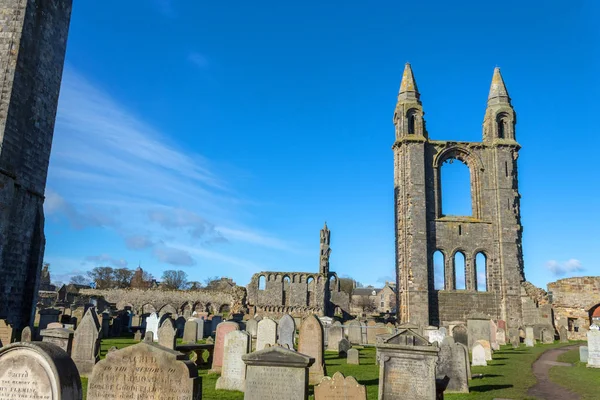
{"type": "Point", "coordinates": [40, 370]}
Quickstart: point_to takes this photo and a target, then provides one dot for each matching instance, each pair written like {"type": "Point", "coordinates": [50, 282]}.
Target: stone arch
{"type": "Point", "coordinates": [459, 284]}
{"type": "Point", "coordinates": [439, 269]}
{"type": "Point", "coordinates": [481, 273]}
{"type": "Point", "coordinates": [224, 308]}
{"type": "Point", "coordinates": [167, 309]}
{"type": "Point", "coordinates": [333, 282]}
{"type": "Point", "coordinates": [148, 308]}
{"type": "Point", "coordinates": [414, 121]}
{"type": "Point", "coordinates": [475, 165]}
{"type": "Point", "coordinates": [504, 125]}
{"type": "Point", "coordinates": [261, 282]}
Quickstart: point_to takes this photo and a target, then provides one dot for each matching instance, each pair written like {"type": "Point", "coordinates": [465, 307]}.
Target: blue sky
{"type": "Point", "coordinates": [217, 137]}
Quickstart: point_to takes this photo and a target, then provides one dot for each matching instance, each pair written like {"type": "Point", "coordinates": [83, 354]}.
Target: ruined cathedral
{"type": "Point", "coordinates": [493, 230]}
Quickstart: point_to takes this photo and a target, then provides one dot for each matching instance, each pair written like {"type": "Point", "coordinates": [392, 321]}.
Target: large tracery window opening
{"type": "Point", "coordinates": [455, 180]}
{"type": "Point", "coordinates": [459, 271]}
{"type": "Point", "coordinates": [439, 270]}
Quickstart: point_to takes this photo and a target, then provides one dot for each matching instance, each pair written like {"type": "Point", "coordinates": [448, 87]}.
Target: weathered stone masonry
{"type": "Point", "coordinates": [33, 37]}
{"type": "Point", "coordinates": [494, 228]}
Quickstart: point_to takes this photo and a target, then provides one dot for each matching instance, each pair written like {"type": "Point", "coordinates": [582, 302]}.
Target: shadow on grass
{"type": "Point", "coordinates": [488, 388]}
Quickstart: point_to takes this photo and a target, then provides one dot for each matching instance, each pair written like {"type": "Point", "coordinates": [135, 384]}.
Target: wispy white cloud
{"type": "Point", "coordinates": [199, 60]}
{"type": "Point", "coordinates": [109, 168]}
{"type": "Point", "coordinates": [561, 268]}
{"type": "Point", "coordinates": [105, 259]}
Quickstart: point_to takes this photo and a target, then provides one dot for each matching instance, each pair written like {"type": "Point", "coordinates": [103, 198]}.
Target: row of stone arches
{"type": "Point", "coordinates": [285, 280]}
{"type": "Point", "coordinates": [186, 310]}
{"type": "Point", "coordinates": [460, 271]}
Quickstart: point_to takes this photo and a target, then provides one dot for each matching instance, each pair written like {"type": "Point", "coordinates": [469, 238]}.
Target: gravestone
{"type": "Point", "coordinates": [137, 336]}
{"type": "Point", "coordinates": [47, 316]}
{"type": "Point", "coordinates": [343, 347]}
{"type": "Point", "coordinates": [354, 332]}
{"type": "Point", "coordinates": [55, 325]}
{"type": "Point", "coordinates": [453, 362]}
{"type": "Point", "coordinates": [151, 325]}
{"type": "Point", "coordinates": [61, 337]}
{"type": "Point", "coordinates": [276, 373]}
{"type": "Point", "coordinates": [593, 337]}
{"type": "Point", "coordinates": [190, 331]}
{"type": "Point", "coordinates": [38, 370]}
{"type": "Point", "coordinates": [26, 334]}
{"type": "Point", "coordinates": [6, 333]}
{"type": "Point", "coordinates": [144, 371]}
{"type": "Point", "coordinates": [222, 330]}
{"type": "Point", "coordinates": [363, 332]}
{"type": "Point", "coordinates": [86, 343]}
{"type": "Point", "coordinates": [371, 334]}
{"type": "Point", "coordinates": [310, 343]}
{"type": "Point", "coordinates": [106, 325]}
{"type": "Point", "coordinates": [515, 341]}
{"type": "Point", "coordinates": [501, 336]}
{"type": "Point", "coordinates": [286, 330]}
{"type": "Point", "coordinates": [436, 336]}
{"type": "Point", "coordinates": [233, 371]}
{"type": "Point", "coordinates": [214, 322]}
{"type": "Point", "coordinates": [252, 327]}
{"type": "Point", "coordinates": [478, 356]}
{"type": "Point", "coordinates": [478, 329]}
{"type": "Point", "coordinates": [547, 336]}
{"type": "Point", "coordinates": [179, 325]}
{"type": "Point", "coordinates": [340, 388]}
{"type": "Point", "coordinates": [488, 349]}
{"type": "Point", "coordinates": [167, 334]}
{"type": "Point", "coordinates": [266, 333]}
{"type": "Point", "coordinates": [583, 354]}
{"type": "Point", "coordinates": [529, 337]}
{"type": "Point", "coordinates": [460, 334]}
{"type": "Point", "coordinates": [427, 330]}
{"type": "Point", "coordinates": [407, 367]}
{"type": "Point", "coordinates": [564, 334]}
{"type": "Point", "coordinates": [336, 333]}
{"type": "Point", "coordinates": [353, 357]}
{"type": "Point", "coordinates": [493, 336]}
{"type": "Point", "coordinates": [200, 326]}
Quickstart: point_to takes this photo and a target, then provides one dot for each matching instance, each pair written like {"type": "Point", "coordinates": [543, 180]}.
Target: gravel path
{"type": "Point", "coordinates": [544, 388]}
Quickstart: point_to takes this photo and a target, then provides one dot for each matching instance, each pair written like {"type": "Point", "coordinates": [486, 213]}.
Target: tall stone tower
{"type": "Point", "coordinates": [325, 250]}
{"type": "Point", "coordinates": [491, 234]}
{"type": "Point", "coordinates": [33, 38]}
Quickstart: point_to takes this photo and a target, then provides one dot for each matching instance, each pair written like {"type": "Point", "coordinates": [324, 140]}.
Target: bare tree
{"type": "Point", "coordinates": [365, 303]}
{"type": "Point", "coordinates": [172, 279]}
{"type": "Point", "coordinates": [103, 277]}
{"type": "Point", "coordinates": [79, 280]}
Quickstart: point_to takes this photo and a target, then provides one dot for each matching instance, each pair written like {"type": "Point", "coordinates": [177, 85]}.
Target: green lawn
{"type": "Point", "coordinates": [580, 379]}
{"type": "Point", "coordinates": [507, 376]}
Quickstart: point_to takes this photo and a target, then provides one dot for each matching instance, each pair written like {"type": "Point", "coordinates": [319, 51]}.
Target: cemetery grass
{"type": "Point", "coordinates": [509, 375]}
{"type": "Point", "coordinates": [578, 378]}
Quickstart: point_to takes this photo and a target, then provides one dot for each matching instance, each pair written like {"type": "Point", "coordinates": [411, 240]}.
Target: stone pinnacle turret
{"type": "Point", "coordinates": [408, 86]}
{"type": "Point", "coordinates": [498, 93]}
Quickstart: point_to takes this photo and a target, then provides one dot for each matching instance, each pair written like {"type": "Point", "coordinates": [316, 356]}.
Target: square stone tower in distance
{"type": "Point", "coordinates": [488, 240]}
{"type": "Point", "coordinates": [33, 40]}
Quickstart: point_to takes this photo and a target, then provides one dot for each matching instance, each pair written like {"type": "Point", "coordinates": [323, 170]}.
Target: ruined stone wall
{"type": "Point", "coordinates": [457, 305]}
{"type": "Point", "coordinates": [296, 292]}
{"type": "Point", "coordinates": [493, 227]}
{"type": "Point", "coordinates": [156, 299]}
{"type": "Point", "coordinates": [576, 299]}
{"type": "Point", "coordinates": [33, 36]}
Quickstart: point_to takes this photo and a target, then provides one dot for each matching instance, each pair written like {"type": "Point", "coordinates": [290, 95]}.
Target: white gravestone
{"type": "Point", "coordinates": [266, 333]}
{"type": "Point", "coordinates": [152, 325]}
{"type": "Point", "coordinates": [478, 356]}
{"type": "Point", "coordinates": [593, 337]}
{"type": "Point", "coordinates": [529, 337]}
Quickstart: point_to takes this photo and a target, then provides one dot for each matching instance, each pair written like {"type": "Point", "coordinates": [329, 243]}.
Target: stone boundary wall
{"type": "Point", "coordinates": [575, 299]}
{"type": "Point", "coordinates": [196, 300]}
